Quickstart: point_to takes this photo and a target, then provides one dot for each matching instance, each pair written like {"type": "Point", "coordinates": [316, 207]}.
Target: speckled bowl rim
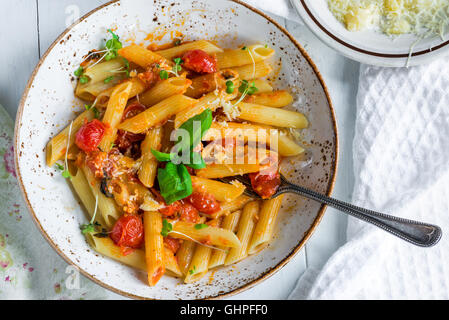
{"type": "Point", "coordinates": [247, 286]}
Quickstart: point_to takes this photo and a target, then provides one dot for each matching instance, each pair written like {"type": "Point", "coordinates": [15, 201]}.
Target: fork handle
{"type": "Point", "coordinates": [418, 233]}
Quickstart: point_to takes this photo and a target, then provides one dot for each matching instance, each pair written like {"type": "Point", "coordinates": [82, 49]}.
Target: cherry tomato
{"type": "Point", "coordinates": [172, 243]}
{"type": "Point", "coordinates": [89, 136]}
{"type": "Point", "coordinates": [189, 213]}
{"type": "Point", "coordinates": [265, 184]}
{"type": "Point", "coordinates": [199, 61]}
{"type": "Point", "coordinates": [128, 231]}
{"type": "Point", "coordinates": [204, 202]}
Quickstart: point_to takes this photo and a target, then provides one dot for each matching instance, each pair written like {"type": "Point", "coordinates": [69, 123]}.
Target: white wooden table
{"type": "Point", "coordinates": [31, 26]}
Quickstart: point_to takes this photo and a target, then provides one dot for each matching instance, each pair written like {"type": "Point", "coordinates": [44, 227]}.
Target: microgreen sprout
{"type": "Point", "coordinates": [91, 227]}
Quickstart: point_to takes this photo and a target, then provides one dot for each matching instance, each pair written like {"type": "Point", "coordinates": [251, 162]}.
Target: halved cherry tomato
{"type": "Point", "coordinates": [126, 141]}
{"type": "Point", "coordinates": [172, 243]}
{"type": "Point", "coordinates": [189, 213]}
{"type": "Point", "coordinates": [128, 231]}
{"type": "Point", "coordinates": [133, 110]}
{"type": "Point", "coordinates": [265, 184]}
{"type": "Point", "coordinates": [89, 136]}
{"type": "Point", "coordinates": [204, 202]}
{"type": "Point", "coordinates": [199, 61]}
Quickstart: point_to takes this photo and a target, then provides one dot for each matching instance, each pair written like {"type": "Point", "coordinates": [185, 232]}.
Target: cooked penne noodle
{"type": "Point", "coordinates": [272, 116]}
{"type": "Point", "coordinates": [154, 246]}
{"type": "Point", "coordinates": [194, 45]}
{"type": "Point", "coordinates": [215, 171]}
{"type": "Point", "coordinates": [164, 89]}
{"type": "Point", "coordinates": [106, 206]}
{"type": "Point", "coordinates": [92, 91]}
{"type": "Point", "coordinates": [104, 70]}
{"type": "Point", "coordinates": [228, 207]}
{"type": "Point", "coordinates": [275, 99]}
{"type": "Point", "coordinates": [210, 101]}
{"type": "Point", "coordinates": [57, 146]}
{"type": "Point", "coordinates": [157, 114]}
{"type": "Point", "coordinates": [265, 225]}
{"type": "Point", "coordinates": [230, 222]}
{"type": "Point", "coordinates": [223, 192]}
{"type": "Point", "coordinates": [137, 87]}
{"type": "Point", "coordinates": [82, 189]}
{"type": "Point", "coordinates": [184, 255]}
{"type": "Point", "coordinates": [114, 113]}
{"type": "Point", "coordinates": [171, 263]}
{"type": "Point", "coordinates": [253, 71]}
{"type": "Point", "coordinates": [211, 235]}
{"type": "Point", "coordinates": [148, 169]}
{"type": "Point", "coordinates": [210, 82]}
{"type": "Point", "coordinates": [199, 264]}
{"type": "Point", "coordinates": [244, 232]}
{"type": "Point", "coordinates": [106, 247]}
{"type": "Point", "coordinates": [240, 57]}
{"type": "Point", "coordinates": [287, 147]}
{"type": "Point", "coordinates": [142, 56]}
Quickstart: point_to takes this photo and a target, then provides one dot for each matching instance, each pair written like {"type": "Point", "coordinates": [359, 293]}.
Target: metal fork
{"type": "Point", "coordinates": [418, 233]}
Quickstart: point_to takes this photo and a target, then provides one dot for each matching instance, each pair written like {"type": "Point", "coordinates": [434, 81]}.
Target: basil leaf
{"type": "Point", "coordinates": [161, 156]}
{"type": "Point", "coordinates": [174, 182]}
{"type": "Point", "coordinates": [196, 132]}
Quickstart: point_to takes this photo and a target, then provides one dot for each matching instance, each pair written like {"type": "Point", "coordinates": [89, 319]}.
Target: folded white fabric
{"type": "Point", "coordinates": [401, 164]}
{"type": "Point", "coordinates": [281, 8]}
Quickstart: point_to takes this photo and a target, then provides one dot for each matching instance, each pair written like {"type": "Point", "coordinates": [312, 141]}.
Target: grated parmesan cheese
{"type": "Point", "coordinates": [394, 17]}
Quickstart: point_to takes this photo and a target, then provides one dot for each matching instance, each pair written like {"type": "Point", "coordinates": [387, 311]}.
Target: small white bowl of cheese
{"type": "Point", "coordinates": [391, 33]}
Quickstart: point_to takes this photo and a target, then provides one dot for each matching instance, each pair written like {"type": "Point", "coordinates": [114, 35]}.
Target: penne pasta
{"type": "Point", "coordinates": [114, 113]}
{"type": "Point", "coordinates": [228, 207]}
{"type": "Point", "coordinates": [57, 146]}
{"type": "Point", "coordinates": [275, 99]}
{"type": "Point", "coordinates": [287, 147]}
{"type": "Point", "coordinates": [184, 255]}
{"type": "Point", "coordinates": [164, 89]}
{"type": "Point", "coordinates": [157, 114]}
{"type": "Point", "coordinates": [154, 246]}
{"type": "Point", "coordinates": [244, 232]}
{"type": "Point", "coordinates": [177, 51]}
{"type": "Point", "coordinates": [263, 231]}
{"type": "Point", "coordinates": [230, 222]}
{"type": "Point", "coordinates": [137, 87]}
{"type": "Point", "coordinates": [106, 206]}
{"type": "Point", "coordinates": [215, 171]}
{"type": "Point", "coordinates": [253, 71]}
{"type": "Point", "coordinates": [171, 263]}
{"type": "Point", "coordinates": [199, 264]}
{"type": "Point", "coordinates": [148, 168]}
{"type": "Point", "coordinates": [210, 235]}
{"type": "Point", "coordinates": [82, 189]}
{"type": "Point", "coordinates": [210, 82]}
{"type": "Point", "coordinates": [106, 247]}
{"type": "Point", "coordinates": [210, 101]}
{"type": "Point", "coordinates": [142, 56]}
{"type": "Point", "coordinates": [272, 116]}
{"type": "Point", "coordinates": [240, 57]}
{"type": "Point", "coordinates": [223, 192]}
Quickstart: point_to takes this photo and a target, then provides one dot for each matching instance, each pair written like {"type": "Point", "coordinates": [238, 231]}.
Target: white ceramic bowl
{"type": "Point", "coordinates": [48, 105]}
{"type": "Point", "coordinates": [368, 46]}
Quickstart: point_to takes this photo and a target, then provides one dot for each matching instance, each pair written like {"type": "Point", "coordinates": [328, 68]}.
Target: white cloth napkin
{"type": "Point", "coordinates": [401, 164]}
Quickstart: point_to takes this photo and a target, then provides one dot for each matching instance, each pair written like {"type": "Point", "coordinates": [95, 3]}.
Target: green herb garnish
{"type": "Point", "coordinates": [167, 227]}
{"type": "Point", "coordinates": [163, 74]}
{"type": "Point", "coordinates": [84, 79]}
{"type": "Point", "coordinates": [108, 79]}
{"type": "Point", "coordinates": [79, 71]}
{"type": "Point", "coordinates": [200, 226]}
{"type": "Point", "coordinates": [192, 271]}
{"type": "Point", "coordinates": [174, 182]}
{"type": "Point", "coordinates": [229, 87]}
{"type": "Point", "coordinates": [246, 88]}
{"type": "Point", "coordinates": [244, 48]}
{"type": "Point", "coordinates": [112, 46]}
